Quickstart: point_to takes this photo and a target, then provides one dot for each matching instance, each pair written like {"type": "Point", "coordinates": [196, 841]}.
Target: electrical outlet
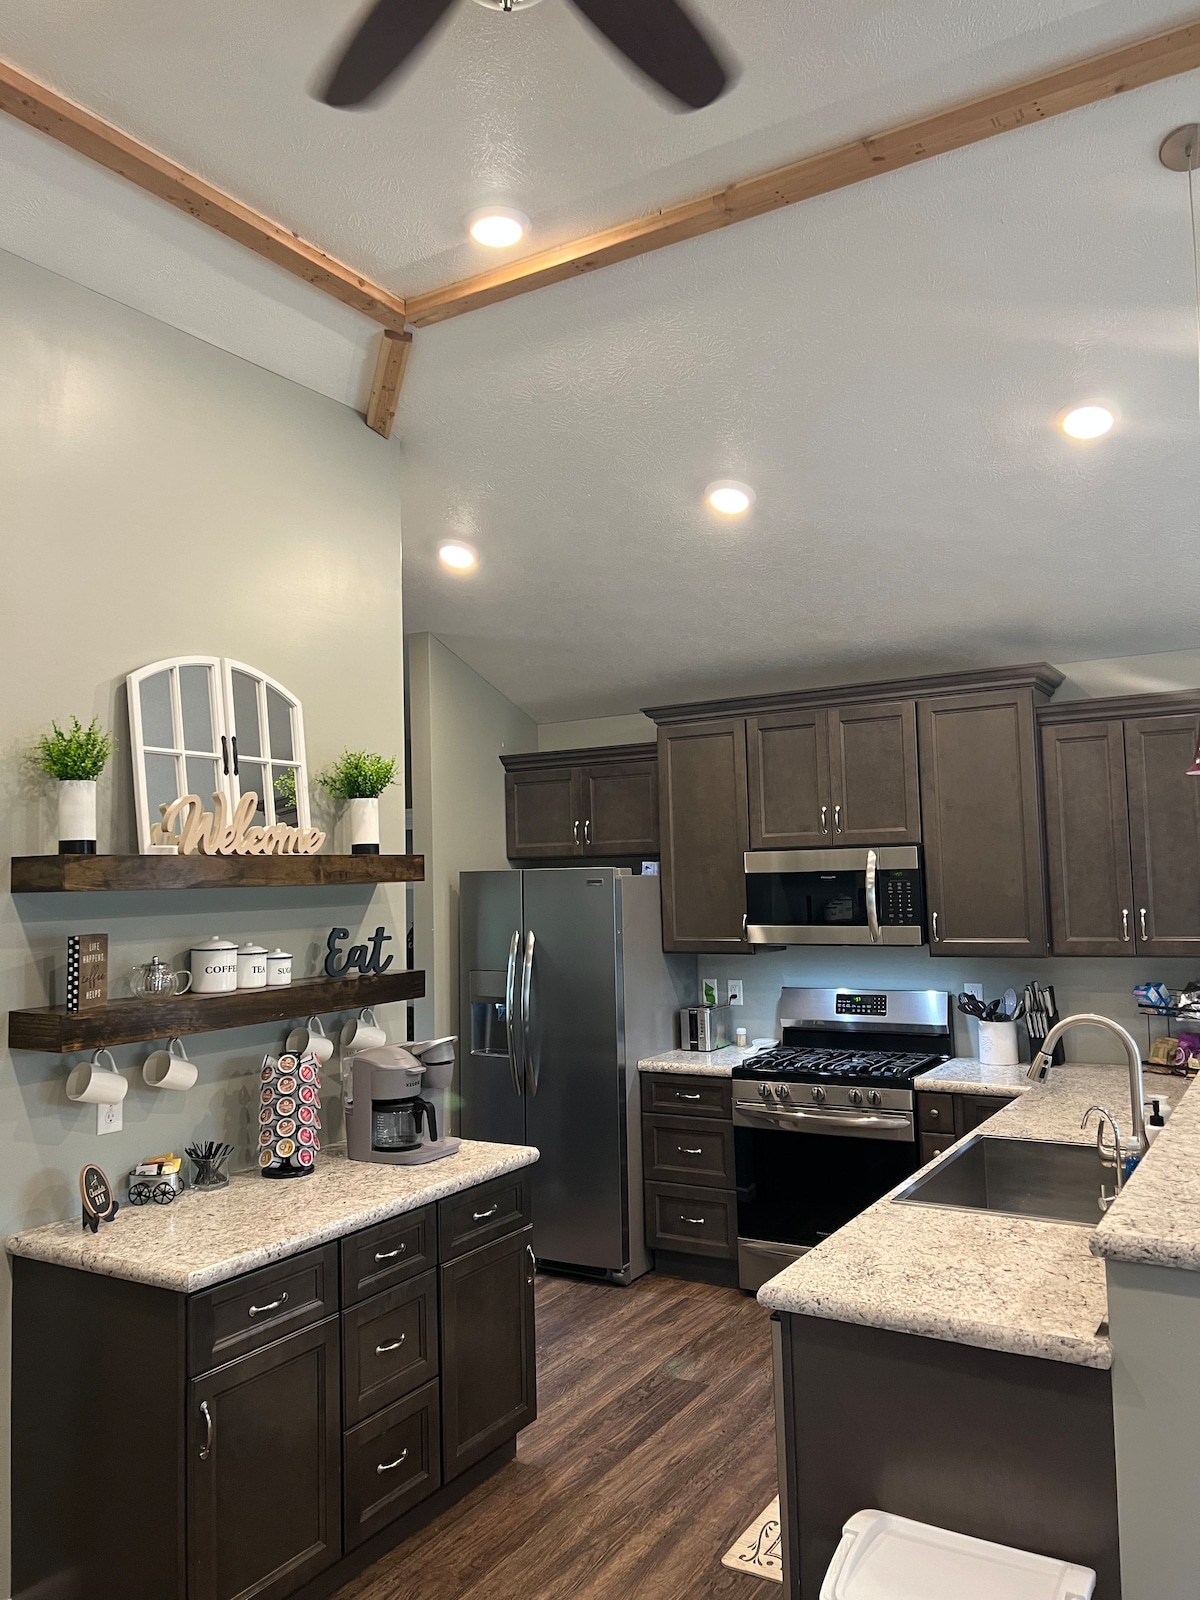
{"type": "Point", "coordinates": [973, 988]}
{"type": "Point", "coordinates": [735, 991]}
{"type": "Point", "coordinates": [109, 1118]}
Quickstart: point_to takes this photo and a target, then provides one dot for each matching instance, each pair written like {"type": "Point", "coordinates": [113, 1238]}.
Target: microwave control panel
{"type": "Point", "coordinates": [900, 900]}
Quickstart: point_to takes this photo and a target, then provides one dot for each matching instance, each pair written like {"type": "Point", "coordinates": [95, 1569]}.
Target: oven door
{"type": "Point", "coordinates": [834, 897]}
{"type": "Point", "coordinates": [795, 1188]}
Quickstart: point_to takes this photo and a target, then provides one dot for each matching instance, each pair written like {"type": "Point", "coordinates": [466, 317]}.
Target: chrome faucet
{"type": "Point", "coordinates": [1040, 1065]}
{"type": "Point", "coordinates": [1117, 1163]}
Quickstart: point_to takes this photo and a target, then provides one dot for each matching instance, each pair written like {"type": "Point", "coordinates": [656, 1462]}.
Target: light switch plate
{"type": "Point", "coordinates": [109, 1119]}
{"type": "Point", "coordinates": [735, 991]}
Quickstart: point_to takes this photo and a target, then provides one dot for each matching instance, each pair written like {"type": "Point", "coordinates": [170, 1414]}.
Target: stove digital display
{"type": "Point", "coordinates": [861, 1005]}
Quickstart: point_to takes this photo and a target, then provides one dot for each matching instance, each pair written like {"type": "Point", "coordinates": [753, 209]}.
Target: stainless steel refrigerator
{"type": "Point", "coordinates": [564, 987]}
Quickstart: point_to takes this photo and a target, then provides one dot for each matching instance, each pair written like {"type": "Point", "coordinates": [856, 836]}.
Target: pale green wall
{"type": "Point", "coordinates": [460, 726]}
{"type": "Point", "coordinates": [632, 729]}
{"type": "Point", "coordinates": [159, 497]}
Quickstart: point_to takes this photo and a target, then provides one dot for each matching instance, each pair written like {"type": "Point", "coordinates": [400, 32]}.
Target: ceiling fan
{"type": "Point", "coordinates": [659, 37]}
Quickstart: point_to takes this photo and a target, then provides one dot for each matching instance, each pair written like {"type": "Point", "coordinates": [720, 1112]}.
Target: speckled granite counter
{"type": "Point", "coordinates": [204, 1238]}
{"type": "Point", "coordinates": [1156, 1222]}
{"type": "Point", "coordinates": [965, 1075]}
{"type": "Point", "coordinates": [1002, 1283]}
{"type": "Point", "coordinates": [699, 1063]}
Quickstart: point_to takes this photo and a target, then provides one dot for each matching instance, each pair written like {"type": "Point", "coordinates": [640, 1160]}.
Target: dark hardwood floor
{"type": "Point", "coordinates": [653, 1449]}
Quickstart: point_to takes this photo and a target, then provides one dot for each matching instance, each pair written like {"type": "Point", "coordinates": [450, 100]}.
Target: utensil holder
{"type": "Point", "coordinates": [998, 1044]}
{"type": "Point", "coordinates": [209, 1173]}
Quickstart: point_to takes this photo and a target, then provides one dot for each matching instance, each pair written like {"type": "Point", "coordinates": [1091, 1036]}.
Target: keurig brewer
{"type": "Point", "coordinates": [397, 1111]}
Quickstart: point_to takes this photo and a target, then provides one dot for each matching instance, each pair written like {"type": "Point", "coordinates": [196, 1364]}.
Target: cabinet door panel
{"type": "Point", "coordinates": [1087, 840]}
{"type": "Point", "coordinates": [704, 835]}
{"type": "Point", "coordinates": [620, 809]}
{"type": "Point", "coordinates": [489, 1376]}
{"type": "Point", "coordinates": [392, 1463]}
{"type": "Point", "coordinates": [389, 1347]}
{"type": "Point", "coordinates": [788, 763]}
{"type": "Point", "coordinates": [264, 1477]}
{"type": "Point", "coordinates": [1164, 824]}
{"type": "Point", "coordinates": [873, 774]}
{"type": "Point", "coordinates": [981, 824]}
{"type": "Point", "coordinates": [544, 812]}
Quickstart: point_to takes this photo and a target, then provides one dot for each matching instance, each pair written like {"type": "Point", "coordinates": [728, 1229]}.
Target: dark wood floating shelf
{"type": "Point", "coordinates": [88, 874]}
{"type": "Point", "coordinates": [62, 1032]}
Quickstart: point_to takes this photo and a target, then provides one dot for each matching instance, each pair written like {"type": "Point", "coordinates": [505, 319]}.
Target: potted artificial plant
{"type": "Point", "coordinates": [75, 756]}
{"type": "Point", "coordinates": [360, 777]}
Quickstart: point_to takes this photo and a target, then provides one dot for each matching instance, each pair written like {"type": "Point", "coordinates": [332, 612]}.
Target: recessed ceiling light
{"type": "Point", "coordinates": [497, 226]}
{"type": "Point", "coordinates": [1087, 422]}
{"type": "Point", "coordinates": [729, 498]}
{"type": "Point", "coordinates": [458, 556]}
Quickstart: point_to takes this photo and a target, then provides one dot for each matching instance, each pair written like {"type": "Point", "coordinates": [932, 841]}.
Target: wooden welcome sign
{"type": "Point", "coordinates": [185, 823]}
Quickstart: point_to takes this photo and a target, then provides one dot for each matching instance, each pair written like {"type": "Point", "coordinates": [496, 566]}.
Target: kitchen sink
{"type": "Point", "coordinates": [1016, 1178]}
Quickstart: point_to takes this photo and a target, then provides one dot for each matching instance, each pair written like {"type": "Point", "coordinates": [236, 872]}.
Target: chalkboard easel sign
{"type": "Point", "coordinates": [99, 1202]}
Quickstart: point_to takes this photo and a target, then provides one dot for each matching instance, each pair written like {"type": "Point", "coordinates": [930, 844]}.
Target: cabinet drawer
{"type": "Point", "coordinates": [977, 1108]}
{"type": "Point", "coordinates": [688, 1150]}
{"type": "Point", "coordinates": [691, 1221]}
{"type": "Point", "coordinates": [932, 1144]}
{"type": "Point", "coordinates": [252, 1311]}
{"type": "Point", "coordinates": [477, 1216]}
{"type": "Point", "coordinates": [390, 1464]}
{"type": "Point", "coordinates": [935, 1113]}
{"type": "Point", "coordinates": [389, 1347]}
{"type": "Point", "coordinates": [389, 1253]}
{"type": "Point", "coordinates": [678, 1096]}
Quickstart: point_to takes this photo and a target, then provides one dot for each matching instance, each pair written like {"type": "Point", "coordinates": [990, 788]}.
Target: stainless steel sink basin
{"type": "Point", "coordinates": [1017, 1178]}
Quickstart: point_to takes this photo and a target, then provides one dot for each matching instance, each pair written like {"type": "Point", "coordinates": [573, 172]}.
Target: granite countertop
{"type": "Point", "coordinates": [699, 1063]}
{"type": "Point", "coordinates": [204, 1238]}
{"type": "Point", "coordinates": [1001, 1283]}
{"type": "Point", "coordinates": [1156, 1222]}
{"type": "Point", "coordinates": [965, 1075]}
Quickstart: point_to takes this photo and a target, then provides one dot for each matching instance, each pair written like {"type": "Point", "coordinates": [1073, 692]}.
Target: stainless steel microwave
{"type": "Point", "coordinates": [871, 896]}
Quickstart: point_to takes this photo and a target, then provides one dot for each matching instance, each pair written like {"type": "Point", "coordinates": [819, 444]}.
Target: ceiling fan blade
{"type": "Point", "coordinates": [661, 40]}
{"type": "Point", "coordinates": [383, 43]}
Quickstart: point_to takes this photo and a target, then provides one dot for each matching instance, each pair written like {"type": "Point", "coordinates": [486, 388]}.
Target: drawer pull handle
{"type": "Point", "coordinates": [697, 1222]}
{"type": "Point", "coordinates": [688, 1150]}
{"type": "Point", "coordinates": [390, 1466]}
{"type": "Point", "coordinates": [274, 1305]}
{"type": "Point", "coordinates": [679, 1095]}
{"type": "Point", "coordinates": [390, 1255]}
{"type": "Point", "coordinates": [210, 1429]}
{"type": "Point", "coordinates": [481, 1216]}
{"type": "Point", "coordinates": [386, 1349]}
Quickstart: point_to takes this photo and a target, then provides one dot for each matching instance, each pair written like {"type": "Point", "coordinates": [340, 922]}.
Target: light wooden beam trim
{"type": "Point", "coordinates": [390, 367]}
{"type": "Point", "coordinates": [1101, 77]}
{"type": "Point", "coordinates": [39, 107]}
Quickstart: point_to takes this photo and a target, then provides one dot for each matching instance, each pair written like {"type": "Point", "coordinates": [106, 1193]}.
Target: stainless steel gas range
{"type": "Point", "coordinates": [825, 1122]}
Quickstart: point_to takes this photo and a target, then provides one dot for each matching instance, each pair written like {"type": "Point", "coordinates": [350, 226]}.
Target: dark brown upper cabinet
{"type": "Point", "coordinates": [982, 825]}
{"type": "Point", "coordinates": [846, 775]}
{"type": "Point", "coordinates": [1164, 823]}
{"type": "Point", "coordinates": [704, 827]}
{"type": "Point", "coordinates": [581, 803]}
{"type": "Point", "coordinates": [1087, 840]}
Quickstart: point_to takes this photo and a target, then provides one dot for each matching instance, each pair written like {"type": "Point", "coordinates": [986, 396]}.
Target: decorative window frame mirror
{"type": "Point", "coordinates": [206, 724]}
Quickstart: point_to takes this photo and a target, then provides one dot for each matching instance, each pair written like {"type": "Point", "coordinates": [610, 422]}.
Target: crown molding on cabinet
{"type": "Point", "coordinates": [1114, 708]}
{"type": "Point", "coordinates": [597, 756]}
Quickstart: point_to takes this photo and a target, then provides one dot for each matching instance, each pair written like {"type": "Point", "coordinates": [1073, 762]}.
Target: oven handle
{"type": "Point", "coordinates": [875, 1124]}
{"type": "Point", "coordinates": [872, 902]}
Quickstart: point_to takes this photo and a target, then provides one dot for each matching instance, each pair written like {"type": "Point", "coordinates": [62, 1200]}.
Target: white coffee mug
{"type": "Point", "coordinates": [170, 1069]}
{"type": "Point", "coordinates": [214, 966]}
{"type": "Point", "coordinates": [97, 1082]}
{"type": "Point", "coordinates": [252, 966]}
{"type": "Point", "coordinates": [364, 1033]}
{"type": "Point", "coordinates": [279, 968]}
{"type": "Point", "coordinates": [311, 1041]}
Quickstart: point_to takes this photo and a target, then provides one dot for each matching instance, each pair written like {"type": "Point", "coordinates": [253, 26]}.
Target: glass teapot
{"type": "Point", "coordinates": [155, 980]}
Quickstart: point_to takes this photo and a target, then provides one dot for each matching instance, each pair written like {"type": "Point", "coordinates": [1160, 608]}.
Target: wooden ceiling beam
{"type": "Point", "coordinates": [1100, 77]}
{"type": "Point", "coordinates": [390, 367]}
{"type": "Point", "coordinates": [39, 107]}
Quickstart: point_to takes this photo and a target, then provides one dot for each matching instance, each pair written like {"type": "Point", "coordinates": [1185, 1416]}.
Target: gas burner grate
{"type": "Point", "coordinates": [812, 1065]}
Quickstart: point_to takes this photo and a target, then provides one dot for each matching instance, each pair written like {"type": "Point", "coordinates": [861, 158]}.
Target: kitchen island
{"type": "Point", "coordinates": [954, 1365]}
{"type": "Point", "coordinates": [262, 1389]}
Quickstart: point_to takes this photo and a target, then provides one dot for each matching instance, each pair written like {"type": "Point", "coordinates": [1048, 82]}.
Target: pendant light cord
{"type": "Point", "coordinates": [1191, 172]}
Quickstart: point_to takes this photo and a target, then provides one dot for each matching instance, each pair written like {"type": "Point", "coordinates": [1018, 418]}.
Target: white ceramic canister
{"type": "Point", "coordinates": [998, 1044]}
{"type": "Point", "coordinates": [214, 966]}
{"type": "Point", "coordinates": [252, 966]}
{"type": "Point", "coordinates": [279, 968]}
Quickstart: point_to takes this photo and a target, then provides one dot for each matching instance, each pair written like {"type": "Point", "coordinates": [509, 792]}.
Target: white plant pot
{"type": "Point", "coordinates": [998, 1044]}
{"type": "Point", "coordinates": [77, 816]}
{"type": "Point", "coordinates": [364, 827]}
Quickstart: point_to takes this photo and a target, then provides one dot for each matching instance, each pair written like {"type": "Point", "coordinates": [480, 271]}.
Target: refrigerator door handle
{"type": "Point", "coordinates": [510, 1010]}
{"type": "Point", "coordinates": [530, 1053]}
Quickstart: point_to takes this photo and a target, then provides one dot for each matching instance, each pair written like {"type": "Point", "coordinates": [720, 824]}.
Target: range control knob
{"type": "Point", "coordinates": [784, 1092]}
{"type": "Point", "coordinates": [818, 1095]}
{"type": "Point", "coordinates": [856, 1097]}
{"type": "Point", "coordinates": [764, 1089]}
{"type": "Point", "coordinates": [875, 1097]}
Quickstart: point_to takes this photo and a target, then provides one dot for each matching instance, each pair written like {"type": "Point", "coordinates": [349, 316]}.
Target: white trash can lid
{"type": "Point", "coordinates": [882, 1557]}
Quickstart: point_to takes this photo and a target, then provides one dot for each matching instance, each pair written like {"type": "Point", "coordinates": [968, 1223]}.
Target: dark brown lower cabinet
{"type": "Point", "coordinates": [489, 1371]}
{"type": "Point", "coordinates": [393, 1461]}
{"type": "Point", "coordinates": [264, 1469]}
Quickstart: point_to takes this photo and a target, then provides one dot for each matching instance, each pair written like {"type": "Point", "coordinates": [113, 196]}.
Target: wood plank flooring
{"type": "Point", "coordinates": [654, 1448]}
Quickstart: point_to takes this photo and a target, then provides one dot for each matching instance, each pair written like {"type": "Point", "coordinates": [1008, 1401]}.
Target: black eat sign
{"type": "Point", "coordinates": [361, 958]}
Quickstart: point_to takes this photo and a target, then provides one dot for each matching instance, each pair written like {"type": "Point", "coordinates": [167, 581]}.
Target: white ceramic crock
{"type": "Point", "coordinates": [77, 816]}
{"type": "Point", "coordinates": [279, 969]}
{"type": "Point", "coordinates": [364, 827]}
{"type": "Point", "coordinates": [214, 966]}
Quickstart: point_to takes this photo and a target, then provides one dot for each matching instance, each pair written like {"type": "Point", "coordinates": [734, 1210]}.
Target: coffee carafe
{"type": "Point", "coordinates": [396, 1124]}
{"type": "Point", "coordinates": [393, 1114]}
